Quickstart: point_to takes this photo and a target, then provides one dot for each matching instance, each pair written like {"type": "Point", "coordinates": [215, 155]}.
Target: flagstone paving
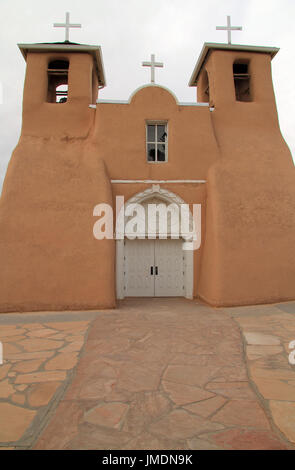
{"type": "Point", "coordinates": [152, 374]}
{"type": "Point", "coordinates": [35, 371]}
{"type": "Point", "coordinates": [268, 332]}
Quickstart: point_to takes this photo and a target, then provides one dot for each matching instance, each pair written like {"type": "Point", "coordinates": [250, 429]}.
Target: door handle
{"type": "Point", "coordinates": [156, 268]}
{"type": "Point", "coordinates": [152, 270]}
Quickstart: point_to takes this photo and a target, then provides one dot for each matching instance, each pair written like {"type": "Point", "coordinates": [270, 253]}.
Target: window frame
{"type": "Point", "coordinates": [147, 142]}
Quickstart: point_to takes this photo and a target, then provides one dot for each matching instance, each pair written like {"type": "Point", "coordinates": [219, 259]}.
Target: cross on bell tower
{"type": "Point", "coordinates": [229, 28]}
{"type": "Point", "coordinates": [67, 25]}
{"type": "Point", "coordinates": [152, 64]}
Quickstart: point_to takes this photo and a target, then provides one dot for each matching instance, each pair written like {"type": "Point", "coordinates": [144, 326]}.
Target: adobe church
{"type": "Point", "coordinates": [224, 151]}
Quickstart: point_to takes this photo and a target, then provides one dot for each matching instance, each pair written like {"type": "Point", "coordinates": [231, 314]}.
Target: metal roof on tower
{"type": "Point", "coordinates": [211, 46]}
{"type": "Point", "coordinates": [68, 46]}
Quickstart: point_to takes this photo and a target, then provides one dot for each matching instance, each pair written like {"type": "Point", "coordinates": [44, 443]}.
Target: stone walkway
{"type": "Point", "coordinates": [153, 374]}
{"type": "Point", "coordinates": [268, 331]}
{"type": "Point", "coordinates": [39, 358]}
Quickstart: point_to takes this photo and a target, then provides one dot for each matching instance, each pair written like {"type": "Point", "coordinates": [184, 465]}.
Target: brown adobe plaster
{"type": "Point", "coordinates": [50, 258]}
{"type": "Point", "coordinates": [73, 118]}
{"type": "Point", "coordinates": [249, 253]}
{"type": "Point", "coordinates": [191, 144]}
{"type": "Point", "coordinates": [68, 153]}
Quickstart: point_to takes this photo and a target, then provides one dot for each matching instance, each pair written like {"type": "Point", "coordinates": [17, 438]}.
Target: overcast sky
{"type": "Point", "coordinates": [129, 31]}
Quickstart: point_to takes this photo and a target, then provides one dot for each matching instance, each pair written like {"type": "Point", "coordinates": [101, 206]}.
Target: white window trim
{"type": "Point", "coordinates": [156, 123]}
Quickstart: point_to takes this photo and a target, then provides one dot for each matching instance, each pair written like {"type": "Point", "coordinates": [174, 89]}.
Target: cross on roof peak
{"type": "Point", "coordinates": [152, 64]}
{"type": "Point", "coordinates": [67, 25]}
{"type": "Point", "coordinates": [229, 28]}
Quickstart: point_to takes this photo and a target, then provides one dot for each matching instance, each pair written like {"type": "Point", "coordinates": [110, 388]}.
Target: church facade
{"type": "Point", "coordinates": [223, 153]}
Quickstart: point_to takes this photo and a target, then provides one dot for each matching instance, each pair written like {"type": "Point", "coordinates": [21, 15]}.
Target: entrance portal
{"type": "Point", "coordinates": [154, 266]}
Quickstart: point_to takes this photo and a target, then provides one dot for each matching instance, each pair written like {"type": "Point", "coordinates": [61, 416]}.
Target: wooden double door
{"type": "Point", "coordinates": [153, 268]}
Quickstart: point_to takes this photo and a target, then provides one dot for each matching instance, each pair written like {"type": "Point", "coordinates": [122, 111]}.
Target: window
{"type": "Point", "coordinates": [242, 81]}
{"type": "Point", "coordinates": [156, 142]}
{"type": "Point", "coordinates": [57, 81]}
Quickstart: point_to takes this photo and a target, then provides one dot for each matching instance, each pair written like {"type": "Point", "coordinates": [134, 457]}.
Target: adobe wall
{"type": "Point", "coordinates": [49, 257]}
{"type": "Point", "coordinates": [68, 154]}
{"type": "Point", "coordinates": [120, 137]}
{"type": "Point", "coordinates": [62, 168]}
{"type": "Point", "coordinates": [249, 253]}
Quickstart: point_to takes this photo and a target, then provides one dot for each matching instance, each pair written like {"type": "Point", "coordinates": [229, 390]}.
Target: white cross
{"type": "Point", "coordinates": [229, 29]}
{"type": "Point", "coordinates": [152, 64]}
{"type": "Point", "coordinates": [67, 25]}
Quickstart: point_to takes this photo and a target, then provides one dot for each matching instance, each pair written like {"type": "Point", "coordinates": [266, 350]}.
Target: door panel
{"type": "Point", "coordinates": [169, 278]}
{"type": "Point", "coordinates": [139, 257]}
{"type": "Point", "coordinates": [153, 268]}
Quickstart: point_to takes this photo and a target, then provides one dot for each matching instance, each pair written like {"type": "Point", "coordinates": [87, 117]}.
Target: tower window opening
{"type": "Point", "coordinates": [242, 81]}
{"type": "Point", "coordinates": [57, 81]}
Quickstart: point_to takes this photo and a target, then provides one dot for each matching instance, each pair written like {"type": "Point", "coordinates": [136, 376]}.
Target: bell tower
{"type": "Point", "coordinates": [62, 80]}
{"type": "Point", "coordinates": [249, 256]}
{"type": "Point", "coordinates": [234, 76]}
{"type": "Point", "coordinates": [54, 179]}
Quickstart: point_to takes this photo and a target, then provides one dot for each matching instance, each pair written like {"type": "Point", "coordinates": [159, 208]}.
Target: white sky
{"type": "Point", "coordinates": [129, 31]}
